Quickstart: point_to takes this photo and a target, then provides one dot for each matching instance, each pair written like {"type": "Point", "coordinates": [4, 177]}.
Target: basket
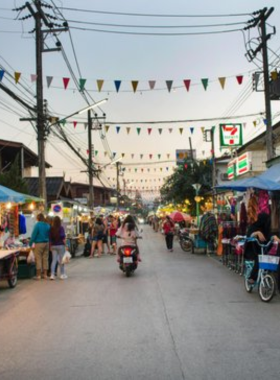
{"type": "Point", "coordinates": [268, 262]}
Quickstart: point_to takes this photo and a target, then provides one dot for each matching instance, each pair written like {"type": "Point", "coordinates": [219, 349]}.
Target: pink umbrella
{"type": "Point", "coordinates": [178, 216]}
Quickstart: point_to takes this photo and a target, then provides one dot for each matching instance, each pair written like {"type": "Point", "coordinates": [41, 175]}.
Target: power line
{"type": "Point", "coordinates": [153, 15]}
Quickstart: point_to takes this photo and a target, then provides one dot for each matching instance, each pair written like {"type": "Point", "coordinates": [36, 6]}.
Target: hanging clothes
{"type": "Point", "coordinates": [263, 202]}
{"type": "Point", "coordinates": [22, 224]}
{"type": "Point", "coordinates": [252, 211]}
{"type": "Point", "coordinates": [243, 219]}
{"type": "Point", "coordinates": [208, 228]}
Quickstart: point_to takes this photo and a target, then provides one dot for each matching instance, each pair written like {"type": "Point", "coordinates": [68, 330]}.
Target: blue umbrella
{"type": "Point", "coordinates": [8, 195]}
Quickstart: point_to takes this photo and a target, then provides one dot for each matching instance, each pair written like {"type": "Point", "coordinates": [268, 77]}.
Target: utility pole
{"type": "Point", "coordinates": [39, 16]}
{"type": "Point", "coordinates": [90, 169]}
{"type": "Point", "coordinates": [263, 15]}
{"type": "Point", "coordinates": [118, 185]}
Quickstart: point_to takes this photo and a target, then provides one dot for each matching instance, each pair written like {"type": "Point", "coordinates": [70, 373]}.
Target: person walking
{"type": "Point", "coordinates": [96, 238]}
{"type": "Point", "coordinates": [39, 240]}
{"type": "Point", "coordinates": [57, 240]}
{"type": "Point", "coordinates": [113, 227]}
{"type": "Point", "coordinates": [168, 229]}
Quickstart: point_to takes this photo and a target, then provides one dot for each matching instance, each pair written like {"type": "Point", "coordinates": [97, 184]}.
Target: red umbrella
{"type": "Point", "coordinates": [178, 216]}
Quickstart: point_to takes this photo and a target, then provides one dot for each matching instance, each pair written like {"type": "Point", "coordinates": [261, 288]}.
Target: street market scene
{"type": "Point", "coordinates": [139, 190]}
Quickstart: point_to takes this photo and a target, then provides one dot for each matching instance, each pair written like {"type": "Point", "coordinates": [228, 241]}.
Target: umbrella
{"type": "Point", "coordinates": [8, 195]}
{"type": "Point", "coordinates": [178, 216]}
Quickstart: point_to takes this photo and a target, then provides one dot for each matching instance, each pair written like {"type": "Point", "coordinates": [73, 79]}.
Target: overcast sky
{"type": "Point", "coordinates": [138, 41]}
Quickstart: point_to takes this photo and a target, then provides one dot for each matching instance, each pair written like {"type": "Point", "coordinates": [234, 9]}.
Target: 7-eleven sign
{"type": "Point", "coordinates": [230, 135]}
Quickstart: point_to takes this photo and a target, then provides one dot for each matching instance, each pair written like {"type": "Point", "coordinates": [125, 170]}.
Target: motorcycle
{"type": "Point", "coordinates": [129, 258]}
{"type": "Point", "coordinates": [186, 243]}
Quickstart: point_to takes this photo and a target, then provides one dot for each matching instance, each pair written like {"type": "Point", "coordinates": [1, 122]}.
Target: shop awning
{"type": "Point", "coordinates": [257, 182]}
{"type": "Point", "coordinates": [273, 174]}
{"type": "Point", "coordinates": [9, 195]}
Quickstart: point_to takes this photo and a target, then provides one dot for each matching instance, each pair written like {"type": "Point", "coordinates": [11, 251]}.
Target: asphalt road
{"type": "Point", "coordinates": [180, 316]}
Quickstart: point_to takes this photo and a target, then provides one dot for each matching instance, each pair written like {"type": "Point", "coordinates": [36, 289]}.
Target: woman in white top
{"type": "Point", "coordinates": [128, 233]}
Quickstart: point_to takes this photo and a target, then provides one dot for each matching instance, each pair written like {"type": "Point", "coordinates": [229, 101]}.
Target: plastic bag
{"type": "Point", "coordinates": [66, 257]}
{"type": "Point", "coordinates": [31, 257]}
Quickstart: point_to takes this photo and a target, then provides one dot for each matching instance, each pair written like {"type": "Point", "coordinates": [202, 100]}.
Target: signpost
{"type": "Point", "coordinates": [231, 135]}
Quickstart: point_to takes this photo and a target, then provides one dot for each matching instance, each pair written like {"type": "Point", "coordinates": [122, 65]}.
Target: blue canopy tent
{"type": "Point", "coordinates": [272, 174]}
{"type": "Point", "coordinates": [9, 195]}
{"type": "Point", "coordinates": [257, 182]}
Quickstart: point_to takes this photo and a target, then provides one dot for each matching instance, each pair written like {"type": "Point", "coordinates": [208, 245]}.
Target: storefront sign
{"type": "Point", "coordinates": [239, 165]}
{"type": "Point", "coordinates": [57, 209]}
{"type": "Point", "coordinates": [230, 135]}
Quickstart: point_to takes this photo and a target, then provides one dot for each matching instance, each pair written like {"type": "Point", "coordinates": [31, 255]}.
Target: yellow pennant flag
{"type": "Point", "coordinates": [107, 128]}
{"type": "Point", "coordinates": [100, 84]}
{"type": "Point", "coordinates": [255, 122]}
{"type": "Point", "coordinates": [127, 130]}
{"type": "Point", "coordinates": [222, 81]}
{"type": "Point", "coordinates": [274, 75]}
{"type": "Point", "coordinates": [181, 130]}
{"type": "Point", "coordinates": [123, 154]}
{"type": "Point", "coordinates": [17, 76]}
{"type": "Point", "coordinates": [134, 85]}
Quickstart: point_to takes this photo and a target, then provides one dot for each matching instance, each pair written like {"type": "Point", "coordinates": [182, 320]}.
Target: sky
{"type": "Point", "coordinates": [140, 41]}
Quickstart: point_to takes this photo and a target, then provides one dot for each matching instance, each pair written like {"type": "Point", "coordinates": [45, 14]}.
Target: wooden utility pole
{"type": "Point", "coordinates": [260, 21]}
{"type": "Point", "coordinates": [39, 16]}
{"type": "Point", "coordinates": [90, 163]}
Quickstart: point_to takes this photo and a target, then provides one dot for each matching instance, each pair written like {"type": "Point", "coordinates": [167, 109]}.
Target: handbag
{"type": "Point", "coordinates": [31, 257]}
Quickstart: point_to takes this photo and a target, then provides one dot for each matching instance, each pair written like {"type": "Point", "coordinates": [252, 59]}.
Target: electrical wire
{"type": "Point", "coordinates": [153, 15]}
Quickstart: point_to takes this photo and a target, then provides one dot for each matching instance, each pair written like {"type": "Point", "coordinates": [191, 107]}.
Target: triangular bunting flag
{"type": "Point", "coordinates": [132, 155]}
{"type": "Point", "coordinates": [187, 83]}
{"type": "Point", "coordinates": [49, 81]}
{"type": "Point", "coordinates": [239, 79]}
{"type": "Point", "coordinates": [169, 84]}
{"type": "Point", "coordinates": [181, 130]}
{"type": "Point", "coordinates": [82, 83]}
{"type": "Point", "coordinates": [191, 129]}
{"type": "Point", "coordinates": [66, 82]}
{"type": "Point", "coordinates": [149, 130]}
{"type": "Point", "coordinates": [107, 128]}
{"type": "Point", "coordinates": [160, 130]}
{"type": "Point", "coordinates": [96, 152]}
{"type": "Point", "coordinates": [99, 84]}
{"type": "Point", "coordinates": [2, 72]}
{"type": "Point", "coordinates": [33, 77]}
{"type": "Point", "coordinates": [168, 155]}
{"type": "Point", "coordinates": [17, 76]}
{"type": "Point", "coordinates": [127, 130]}
{"type": "Point", "coordinates": [152, 84]}
{"type": "Point", "coordinates": [138, 130]}
{"type": "Point", "coordinates": [255, 122]}
{"type": "Point", "coordinates": [114, 154]}
{"type": "Point", "coordinates": [151, 156]}
{"type": "Point", "coordinates": [118, 128]}
{"type": "Point", "coordinates": [118, 84]}
{"type": "Point", "coordinates": [134, 85]}
{"type": "Point", "coordinates": [205, 83]}
{"type": "Point", "coordinates": [222, 81]}
{"type": "Point", "coordinates": [159, 155]}
{"type": "Point", "coordinates": [105, 154]}
{"type": "Point", "coordinates": [170, 130]}
{"type": "Point", "coordinates": [202, 130]}
{"type": "Point", "coordinates": [75, 123]}
{"type": "Point", "coordinates": [141, 156]}
{"type": "Point", "coordinates": [123, 154]}
{"type": "Point", "coordinates": [274, 75]}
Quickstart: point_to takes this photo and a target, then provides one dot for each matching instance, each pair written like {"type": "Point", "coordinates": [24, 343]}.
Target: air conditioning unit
{"type": "Point", "coordinates": [224, 177]}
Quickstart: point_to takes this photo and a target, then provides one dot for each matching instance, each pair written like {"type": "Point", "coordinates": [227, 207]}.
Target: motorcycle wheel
{"type": "Point", "coordinates": [13, 280]}
{"type": "Point", "coordinates": [187, 245]}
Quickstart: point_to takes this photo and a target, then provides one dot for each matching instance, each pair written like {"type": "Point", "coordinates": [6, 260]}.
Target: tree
{"type": "Point", "coordinates": [12, 178]}
{"type": "Point", "coordinates": [178, 187]}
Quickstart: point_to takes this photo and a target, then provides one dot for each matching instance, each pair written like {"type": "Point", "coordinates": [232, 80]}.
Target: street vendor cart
{"type": "Point", "coordinates": [9, 266]}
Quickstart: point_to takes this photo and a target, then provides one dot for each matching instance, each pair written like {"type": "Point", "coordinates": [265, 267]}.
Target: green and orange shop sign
{"type": "Point", "coordinates": [240, 165]}
{"type": "Point", "coordinates": [230, 135]}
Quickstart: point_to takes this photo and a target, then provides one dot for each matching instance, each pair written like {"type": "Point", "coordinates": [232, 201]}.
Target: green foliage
{"type": "Point", "coordinates": [178, 187]}
{"type": "Point", "coordinates": [12, 178]}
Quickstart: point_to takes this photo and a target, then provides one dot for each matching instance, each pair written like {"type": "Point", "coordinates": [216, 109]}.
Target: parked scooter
{"type": "Point", "coordinates": [128, 258]}
{"type": "Point", "coordinates": [186, 243]}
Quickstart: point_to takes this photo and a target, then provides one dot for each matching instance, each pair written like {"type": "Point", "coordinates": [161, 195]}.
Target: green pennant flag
{"type": "Point", "coordinates": [82, 84]}
{"type": "Point", "coordinates": [96, 152]}
{"type": "Point", "coordinates": [63, 122]}
{"type": "Point", "coordinates": [205, 83]}
{"type": "Point", "coordinates": [138, 131]}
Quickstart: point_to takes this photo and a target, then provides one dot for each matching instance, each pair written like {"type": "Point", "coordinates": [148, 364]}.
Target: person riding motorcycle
{"type": "Point", "coordinates": [128, 232]}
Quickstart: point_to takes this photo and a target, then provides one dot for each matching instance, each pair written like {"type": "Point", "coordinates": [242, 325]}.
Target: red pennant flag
{"type": "Point", "coordinates": [187, 83]}
{"type": "Point", "coordinates": [239, 79]}
{"type": "Point", "coordinates": [75, 123]}
{"type": "Point", "coordinates": [149, 130]}
{"type": "Point", "coordinates": [151, 156]}
{"type": "Point", "coordinates": [66, 82]}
